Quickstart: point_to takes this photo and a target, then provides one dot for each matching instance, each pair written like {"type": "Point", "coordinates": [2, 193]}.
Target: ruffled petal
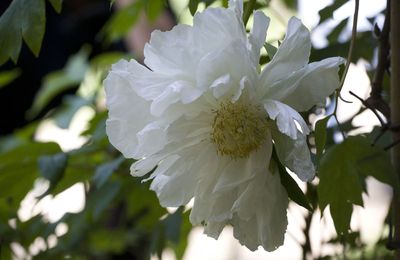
{"type": "Point", "coordinates": [171, 53]}
{"type": "Point", "coordinates": [214, 24]}
{"type": "Point", "coordinates": [291, 55]}
{"type": "Point", "coordinates": [320, 80]}
{"type": "Point", "coordinates": [295, 155]}
{"type": "Point", "coordinates": [286, 118]}
{"type": "Point", "coordinates": [234, 61]}
{"type": "Point", "coordinates": [128, 113]}
{"type": "Point", "coordinates": [263, 205]}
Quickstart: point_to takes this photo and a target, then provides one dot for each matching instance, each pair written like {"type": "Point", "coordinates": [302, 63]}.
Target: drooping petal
{"type": "Point", "coordinates": [124, 105]}
{"type": "Point", "coordinates": [295, 154]}
{"type": "Point", "coordinates": [286, 118]}
{"type": "Point", "coordinates": [257, 35]}
{"type": "Point", "coordinates": [237, 6]}
{"type": "Point", "coordinates": [320, 80]}
{"type": "Point", "coordinates": [291, 55]}
{"type": "Point", "coordinates": [261, 213]}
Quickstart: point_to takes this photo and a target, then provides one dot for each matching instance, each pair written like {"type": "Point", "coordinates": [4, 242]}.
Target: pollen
{"type": "Point", "coordinates": [238, 129]}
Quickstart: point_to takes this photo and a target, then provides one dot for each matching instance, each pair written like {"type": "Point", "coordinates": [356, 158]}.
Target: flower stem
{"type": "Point", "coordinates": [395, 112]}
{"type": "Point", "coordinates": [247, 12]}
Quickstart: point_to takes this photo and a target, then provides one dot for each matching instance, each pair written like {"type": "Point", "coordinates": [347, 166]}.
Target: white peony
{"type": "Point", "coordinates": [203, 115]}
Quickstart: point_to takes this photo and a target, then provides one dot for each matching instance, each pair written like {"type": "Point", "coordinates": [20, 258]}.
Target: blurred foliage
{"type": "Point", "coordinates": [121, 218]}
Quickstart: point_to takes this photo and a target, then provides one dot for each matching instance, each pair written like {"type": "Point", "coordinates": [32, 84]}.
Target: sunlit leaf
{"type": "Point", "coordinates": [6, 77]}
{"type": "Point", "coordinates": [57, 82]}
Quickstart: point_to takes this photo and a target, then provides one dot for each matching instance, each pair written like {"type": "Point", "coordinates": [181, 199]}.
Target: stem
{"type": "Point", "coordinates": [247, 12]}
{"type": "Point", "coordinates": [395, 111]}
{"type": "Point", "coordinates": [349, 57]}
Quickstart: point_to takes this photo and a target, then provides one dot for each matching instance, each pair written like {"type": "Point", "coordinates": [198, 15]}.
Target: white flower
{"type": "Point", "coordinates": [207, 119]}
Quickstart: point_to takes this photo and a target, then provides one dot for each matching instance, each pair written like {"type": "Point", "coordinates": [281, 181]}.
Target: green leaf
{"type": "Point", "coordinates": [22, 19]}
{"type": "Point", "coordinates": [293, 190]}
{"type": "Point", "coordinates": [57, 82]}
{"type": "Point", "coordinates": [342, 174]}
{"type": "Point", "coordinates": [101, 198]}
{"type": "Point", "coordinates": [122, 21]}
{"type": "Point", "coordinates": [6, 77]}
{"type": "Point", "coordinates": [19, 169]}
{"type": "Point", "coordinates": [320, 134]}
{"type": "Point", "coordinates": [57, 5]}
{"type": "Point", "coordinates": [104, 171]}
{"type": "Point", "coordinates": [154, 9]}
{"type": "Point", "coordinates": [327, 12]}
{"type": "Point", "coordinates": [52, 167]}
{"type": "Point", "coordinates": [271, 50]}
{"type": "Point", "coordinates": [333, 36]}
{"type": "Point", "coordinates": [172, 225]}
{"type": "Point", "coordinates": [193, 5]}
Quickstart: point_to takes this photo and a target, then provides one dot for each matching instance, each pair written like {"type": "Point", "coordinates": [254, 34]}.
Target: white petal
{"type": "Point", "coordinates": [214, 229]}
{"type": "Point", "coordinates": [234, 61]}
{"type": "Point", "coordinates": [237, 6]}
{"type": "Point", "coordinates": [220, 86]}
{"type": "Point", "coordinates": [215, 28]}
{"type": "Point", "coordinates": [286, 118]}
{"type": "Point", "coordinates": [264, 205]}
{"type": "Point", "coordinates": [295, 155]}
{"type": "Point", "coordinates": [291, 56]}
{"type": "Point", "coordinates": [151, 138]}
{"type": "Point", "coordinates": [320, 79]}
{"type": "Point", "coordinates": [257, 35]}
{"type": "Point", "coordinates": [172, 52]}
{"type": "Point", "coordinates": [144, 166]}
{"type": "Point", "coordinates": [241, 170]}
{"type": "Point", "coordinates": [124, 105]}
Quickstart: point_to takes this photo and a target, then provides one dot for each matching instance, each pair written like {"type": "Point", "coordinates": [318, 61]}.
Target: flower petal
{"type": "Point", "coordinates": [234, 61]}
{"type": "Point", "coordinates": [286, 118]}
{"type": "Point", "coordinates": [320, 79]}
{"type": "Point", "coordinates": [172, 52]}
{"type": "Point", "coordinates": [257, 35]}
{"type": "Point", "coordinates": [214, 24]}
{"type": "Point", "coordinates": [124, 117]}
{"type": "Point", "coordinates": [295, 155]}
{"type": "Point", "coordinates": [241, 170]}
{"type": "Point", "coordinates": [291, 55]}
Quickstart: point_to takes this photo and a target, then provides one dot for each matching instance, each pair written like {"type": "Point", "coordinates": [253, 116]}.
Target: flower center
{"type": "Point", "coordinates": [238, 129]}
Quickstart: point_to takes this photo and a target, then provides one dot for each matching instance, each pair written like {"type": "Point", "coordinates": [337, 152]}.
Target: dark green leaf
{"type": "Point", "coordinates": [52, 167]}
{"type": "Point", "coordinates": [57, 5]}
{"type": "Point", "coordinates": [342, 174]}
{"type": "Point", "coordinates": [293, 190]}
{"type": "Point", "coordinates": [193, 5]}
{"type": "Point", "coordinates": [22, 19]}
{"type": "Point", "coordinates": [333, 36]}
{"type": "Point", "coordinates": [172, 225]}
{"type": "Point", "coordinates": [327, 12]}
{"type": "Point", "coordinates": [104, 171]}
{"type": "Point", "coordinates": [101, 198]}
{"type": "Point", "coordinates": [320, 135]}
